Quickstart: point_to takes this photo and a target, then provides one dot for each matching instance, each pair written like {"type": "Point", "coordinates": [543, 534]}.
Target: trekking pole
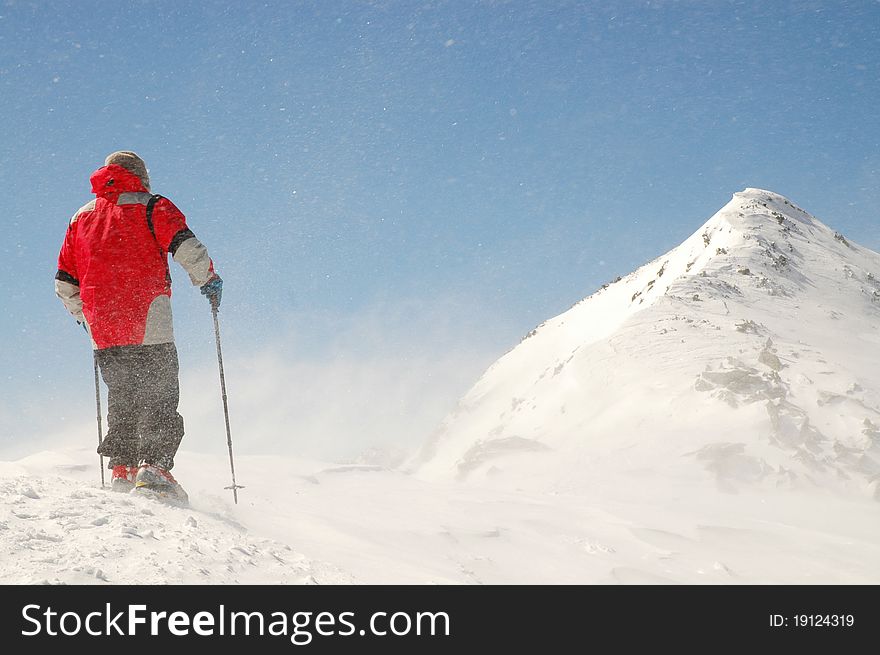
{"type": "Point", "coordinates": [235, 487]}
{"type": "Point", "coordinates": [98, 403]}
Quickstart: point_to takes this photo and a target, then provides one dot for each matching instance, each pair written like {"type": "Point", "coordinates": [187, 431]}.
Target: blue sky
{"type": "Point", "coordinates": [416, 182]}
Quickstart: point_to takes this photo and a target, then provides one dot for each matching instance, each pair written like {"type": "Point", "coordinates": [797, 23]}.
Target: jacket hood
{"type": "Point", "coordinates": [111, 181]}
{"type": "Point", "coordinates": [132, 162]}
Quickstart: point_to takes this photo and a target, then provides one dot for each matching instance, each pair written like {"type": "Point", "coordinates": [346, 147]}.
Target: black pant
{"type": "Point", "coordinates": [143, 392]}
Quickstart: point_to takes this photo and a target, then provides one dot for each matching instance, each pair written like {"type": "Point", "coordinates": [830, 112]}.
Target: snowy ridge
{"type": "Point", "coordinates": [727, 352]}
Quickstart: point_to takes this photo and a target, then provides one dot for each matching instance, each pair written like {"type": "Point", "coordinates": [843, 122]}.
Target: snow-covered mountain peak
{"type": "Point", "coordinates": [750, 350]}
{"type": "Point", "coordinates": [753, 198]}
{"type": "Point", "coordinates": [758, 234]}
{"type": "Point", "coordinates": [752, 210]}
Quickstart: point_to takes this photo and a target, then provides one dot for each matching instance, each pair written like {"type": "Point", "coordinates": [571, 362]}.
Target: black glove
{"type": "Point", "coordinates": [213, 290]}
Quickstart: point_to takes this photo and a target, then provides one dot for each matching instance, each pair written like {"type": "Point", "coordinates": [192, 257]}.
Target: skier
{"type": "Point", "coordinates": [113, 278]}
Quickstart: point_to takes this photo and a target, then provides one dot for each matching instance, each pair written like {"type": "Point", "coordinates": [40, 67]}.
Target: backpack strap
{"type": "Point", "coordinates": [151, 203]}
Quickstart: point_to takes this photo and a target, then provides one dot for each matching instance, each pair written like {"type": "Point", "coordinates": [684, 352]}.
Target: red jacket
{"type": "Point", "coordinates": [113, 269]}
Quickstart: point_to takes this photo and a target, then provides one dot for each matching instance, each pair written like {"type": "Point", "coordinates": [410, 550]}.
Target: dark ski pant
{"type": "Point", "coordinates": [143, 392]}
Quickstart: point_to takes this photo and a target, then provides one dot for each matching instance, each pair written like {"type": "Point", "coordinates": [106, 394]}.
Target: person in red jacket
{"type": "Point", "coordinates": [113, 277]}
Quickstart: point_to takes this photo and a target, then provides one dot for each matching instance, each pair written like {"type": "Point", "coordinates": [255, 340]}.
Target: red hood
{"type": "Point", "coordinates": [111, 181]}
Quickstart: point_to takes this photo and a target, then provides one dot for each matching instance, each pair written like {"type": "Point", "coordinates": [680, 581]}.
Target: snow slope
{"type": "Point", "coordinates": [747, 355]}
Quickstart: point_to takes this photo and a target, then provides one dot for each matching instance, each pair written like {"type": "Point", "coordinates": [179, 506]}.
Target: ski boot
{"type": "Point", "coordinates": [160, 484]}
{"type": "Point", "coordinates": [122, 478]}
